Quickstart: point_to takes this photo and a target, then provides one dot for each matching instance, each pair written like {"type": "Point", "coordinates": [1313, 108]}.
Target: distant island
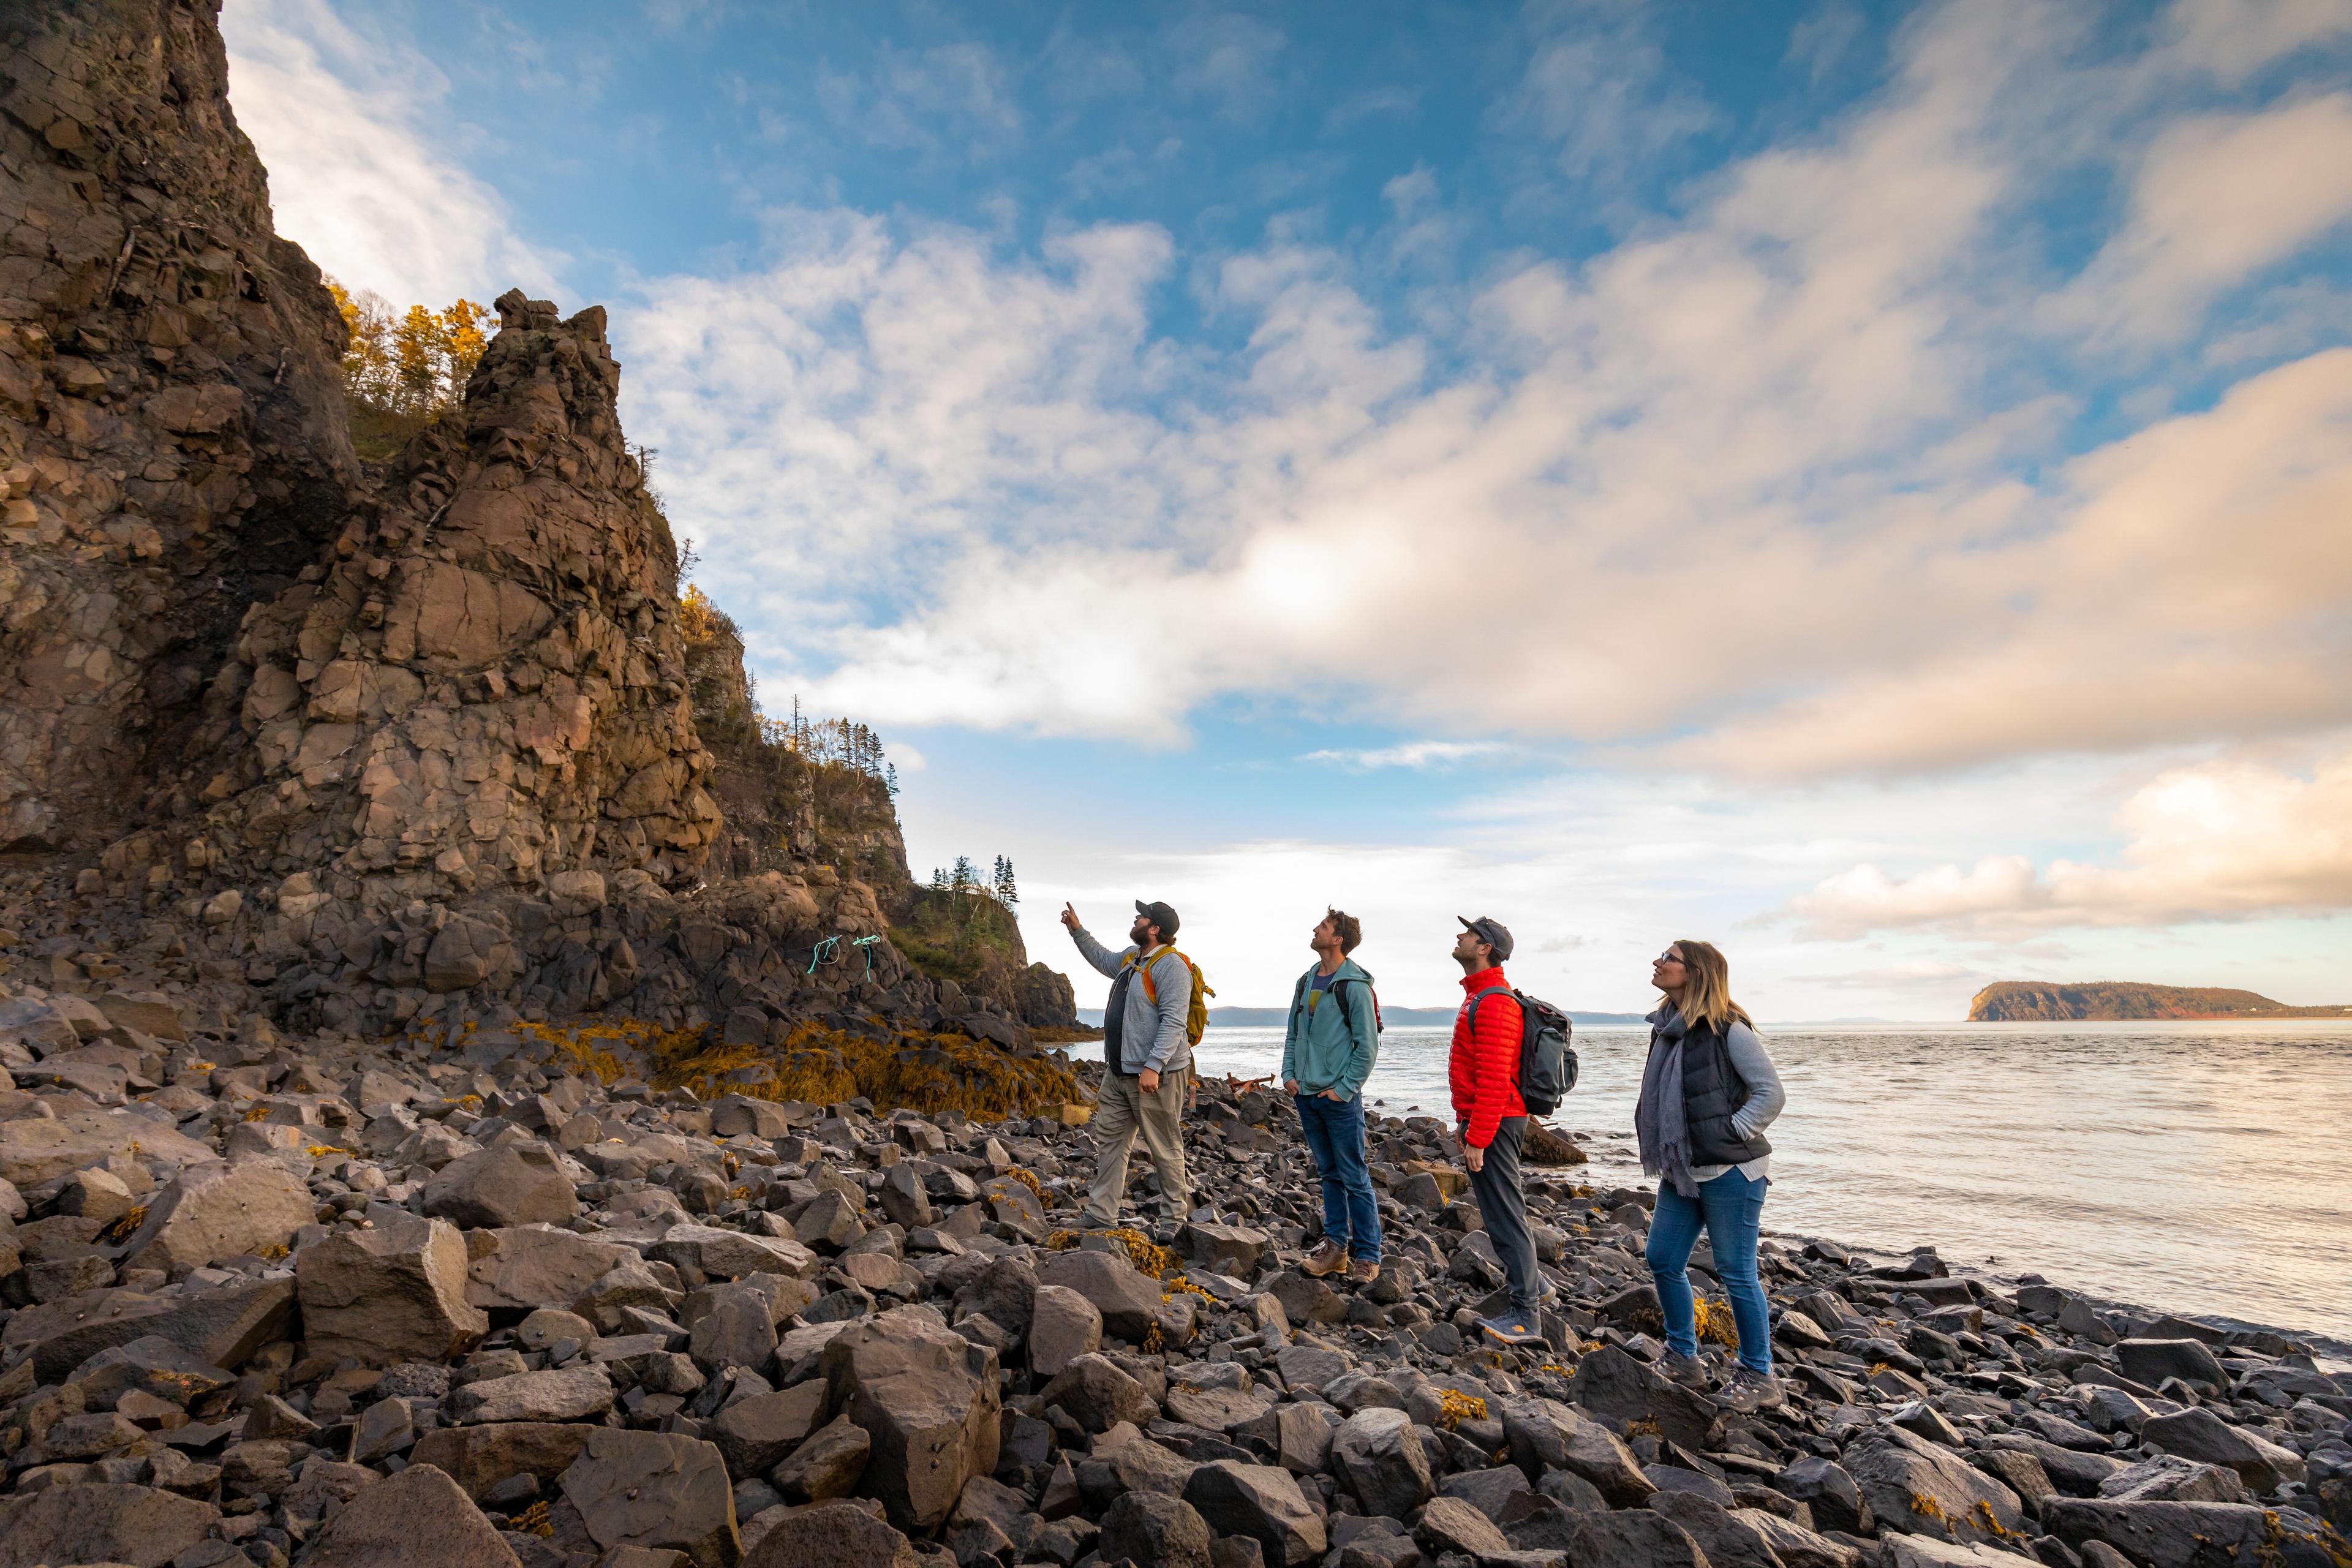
{"type": "Point", "coordinates": [2039, 1001]}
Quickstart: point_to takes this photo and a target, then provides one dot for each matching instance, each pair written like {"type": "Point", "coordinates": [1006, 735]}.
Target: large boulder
{"type": "Point", "coordinates": [420, 1515]}
{"type": "Point", "coordinates": [1263, 1502]}
{"type": "Point", "coordinates": [218, 1210]}
{"type": "Point", "coordinates": [1545, 1434]}
{"type": "Point", "coordinates": [927, 1397]}
{"type": "Point", "coordinates": [2152, 1361]}
{"type": "Point", "coordinates": [509, 1185]}
{"type": "Point", "coordinates": [2198, 1434]}
{"type": "Point", "coordinates": [33, 1149]}
{"type": "Point", "coordinates": [656, 1490]}
{"type": "Point", "coordinates": [479, 1458]}
{"type": "Point", "coordinates": [391, 1293]}
{"type": "Point", "coordinates": [556, 1394]}
{"type": "Point", "coordinates": [533, 1266]}
{"type": "Point", "coordinates": [721, 1254]}
{"type": "Point", "coordinates": [831, 1536]}
{"type": "Point", "coordinates": [1914, 1487]}
{"type": "Point", "coordinates": [1128, 1298]}
{"type": "Point", "coordinates": [1611, 1382]}
{"type": "Point", "coordinates": [82, 1523]}
{"type": "Point", "coordinates": [751, 1434]}
{"type": "Point", "coordinates": [1156, 1529]}
{"type": "Point", "coordinates": [219, 1327]}
{"type": "Point", "coordinates": [1376, 1452]}
{"type": "Point", "coordinates": [2192, 1534]}
{"type": "Point", "coordinates": [1062, 1326]}
{"type": "Point", "coordinates": [1097, 1394]}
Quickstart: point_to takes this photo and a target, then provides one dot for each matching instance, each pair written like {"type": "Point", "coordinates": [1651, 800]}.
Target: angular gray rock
{"type": "Point", "coordinates": [1127, 1299]}
{"type": "Point", "coordinates": [656, 1490]}
{"type": "Point", "coordinates": [507, 1184]}
{"type": "Point", "coordinates": [829, 1464]}
{"type": "Point", "coordinates": [391, 1293]}
{"type": "Point", "coordinates": [2198, 1434]}
{"type": "Point", "coordinates": [221, 1210]}
{"type": "Point", "coordinates": [1062, 1326]}
{"type": "Point", "coordinates": [1376, 1452]}
{"type": "Point", "coordinates": [1913, 1486]}
{"type": "Point", "coordinates": [928, 1398]}
{"type": "Point", "coordinates": [1097, 1394]}
{"type": "Point", "coordinates": [418, 1515]}
{"type": "Point", "coordinates": [1155, 1529]}
{"type": "Point", "coordinates": [100, 1523]}
{"type": "Point", "coordinates": [831, 1536]}
{"type": "Point", "coordinates": [1263, 1502]}
{"type": "Point", "coordinates": [558, 1393]}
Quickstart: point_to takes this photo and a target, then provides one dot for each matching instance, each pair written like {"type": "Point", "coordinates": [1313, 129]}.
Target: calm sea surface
{"type": "Point", "coordinates": [2202, 1168]}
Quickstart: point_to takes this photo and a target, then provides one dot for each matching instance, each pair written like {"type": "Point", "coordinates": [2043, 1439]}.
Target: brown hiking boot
{"type": "Point", "coordinates": [1363, 1272]}
{"type": "Point", "coordinates": [1329, 1259]}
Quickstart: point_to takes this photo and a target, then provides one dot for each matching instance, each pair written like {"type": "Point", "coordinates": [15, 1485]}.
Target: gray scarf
{"type": "Point", "coordinates": [1658, 1122]}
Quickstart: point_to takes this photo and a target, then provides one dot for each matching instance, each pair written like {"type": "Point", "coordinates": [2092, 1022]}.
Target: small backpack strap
{"type": "Point", "coordinates": [1490, 991]}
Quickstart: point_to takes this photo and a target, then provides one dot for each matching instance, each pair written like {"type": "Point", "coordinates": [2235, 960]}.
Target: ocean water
{"type": "Point", "coordinates": [2199, 1168]}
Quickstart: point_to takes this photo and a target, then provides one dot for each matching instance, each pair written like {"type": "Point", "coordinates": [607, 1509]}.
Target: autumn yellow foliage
{"type": "Point", "coordinates": [403, 369]}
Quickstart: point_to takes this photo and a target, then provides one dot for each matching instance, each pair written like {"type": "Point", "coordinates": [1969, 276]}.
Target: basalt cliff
{"type": "Point", "coordinates": [292, 744]}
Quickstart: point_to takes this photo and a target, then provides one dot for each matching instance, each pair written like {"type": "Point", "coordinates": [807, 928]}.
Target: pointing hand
{"type": "Point", "coordinates": [1069, 917]}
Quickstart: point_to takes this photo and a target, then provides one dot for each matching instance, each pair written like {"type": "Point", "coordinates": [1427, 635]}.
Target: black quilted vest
{"type": "Point", "coordinates": [1712, 1090]}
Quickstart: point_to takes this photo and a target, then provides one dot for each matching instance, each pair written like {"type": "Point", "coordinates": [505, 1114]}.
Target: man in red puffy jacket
{"type": "Point", "coordinates": [1492, 1120]}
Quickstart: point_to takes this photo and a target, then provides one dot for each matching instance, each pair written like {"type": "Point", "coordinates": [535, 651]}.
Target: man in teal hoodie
{"type": "Point", "coordinates": [1328, 1052]}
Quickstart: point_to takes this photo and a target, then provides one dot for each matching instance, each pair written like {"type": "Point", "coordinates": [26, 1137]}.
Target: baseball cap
{"type": "Point", "coordinates": [1494, 933]}
{"type": "Point", "coordinates": [1160, 915]}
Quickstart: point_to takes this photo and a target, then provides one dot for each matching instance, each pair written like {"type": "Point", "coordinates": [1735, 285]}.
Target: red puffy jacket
{"type": "Point", "coordinates": [1484, 1072]}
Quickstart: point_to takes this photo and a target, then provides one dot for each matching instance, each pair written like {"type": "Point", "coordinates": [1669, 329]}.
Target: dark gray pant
{"type": "Point", "coordinates": [1504, 1208]}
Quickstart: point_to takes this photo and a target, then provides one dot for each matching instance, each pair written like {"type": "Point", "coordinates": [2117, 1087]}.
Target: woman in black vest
{"type": "Point", "coordinates": [1707, 1093]}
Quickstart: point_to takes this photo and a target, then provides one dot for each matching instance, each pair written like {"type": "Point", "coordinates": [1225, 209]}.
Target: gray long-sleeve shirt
{"type": "Point", "coordinates": [1765, 1099]}
{"type": "Point", "coordinates": [1151, 1029]}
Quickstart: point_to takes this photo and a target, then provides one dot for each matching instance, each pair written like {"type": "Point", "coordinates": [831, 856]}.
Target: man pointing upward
{"type": "Point", "coordinates": [1147, 1059]}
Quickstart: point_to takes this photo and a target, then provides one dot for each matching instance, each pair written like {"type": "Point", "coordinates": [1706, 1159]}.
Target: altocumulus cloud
{"type": "Point", "coordinates": [956, 485]}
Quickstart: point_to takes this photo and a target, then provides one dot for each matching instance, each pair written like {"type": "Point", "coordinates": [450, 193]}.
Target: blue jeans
{"type": "Point", "coordinates": [1732, 1207]}
{"type": "Point", "coordinates": [1335, 1135]}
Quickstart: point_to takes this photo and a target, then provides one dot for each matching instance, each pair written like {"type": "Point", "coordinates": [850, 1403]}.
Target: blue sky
{"type": "Point", "coordinates": [1869, 486]}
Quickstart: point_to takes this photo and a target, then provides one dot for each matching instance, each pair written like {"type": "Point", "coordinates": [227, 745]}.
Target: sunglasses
{"type": "Point", "coordinates": [1669, 958]}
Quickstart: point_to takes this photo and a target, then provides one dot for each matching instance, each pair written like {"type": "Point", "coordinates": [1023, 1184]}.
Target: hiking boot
{"type": "Point", "coordinates": [1687, 1370]}
{"type": "Point", "coordinates": [1513, 1328]}
{"type": "Point", "coordinates": [1329, 1259]}
{"type": "Point", "coordinates": [1363, 1272]}
{"type": "Point", "coordinates": [1749, 1391]}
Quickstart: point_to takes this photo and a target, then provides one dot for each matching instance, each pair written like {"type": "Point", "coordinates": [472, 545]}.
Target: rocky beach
{"type": "Point", "coordinates": [478, 1096]}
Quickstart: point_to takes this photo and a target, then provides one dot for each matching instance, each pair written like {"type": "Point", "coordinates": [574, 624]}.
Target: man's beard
{"type": "Point", "coordinates": [1140, 934]}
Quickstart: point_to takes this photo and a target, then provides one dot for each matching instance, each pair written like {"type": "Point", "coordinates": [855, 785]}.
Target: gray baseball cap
{"type": "Point", "coordinates": [1160, 915]}
{"type": "Point", "coordinates": [1494, 933]}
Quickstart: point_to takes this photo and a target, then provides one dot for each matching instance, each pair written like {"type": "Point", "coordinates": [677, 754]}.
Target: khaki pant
{"type": "Point", "coordinates": [1120, 1109]}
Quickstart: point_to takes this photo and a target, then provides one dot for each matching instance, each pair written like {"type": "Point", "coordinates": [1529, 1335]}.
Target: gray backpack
{"type": "Point", "coordinates": [1547, 1059]}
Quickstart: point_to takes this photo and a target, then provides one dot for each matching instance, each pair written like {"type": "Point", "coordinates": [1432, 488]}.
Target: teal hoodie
{"type": "Point", "coordinates": [1324, 1050]}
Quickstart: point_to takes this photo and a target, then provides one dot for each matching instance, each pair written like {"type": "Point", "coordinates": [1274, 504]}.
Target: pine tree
{"type": "Point", "coordinates": [890, 778]}
{"type": "Point", "coordinates": [938, 879]}
{"type": "Point", "coordinates": [965, 877]}
{"type": "Point", "coordinates": [1007, 893]}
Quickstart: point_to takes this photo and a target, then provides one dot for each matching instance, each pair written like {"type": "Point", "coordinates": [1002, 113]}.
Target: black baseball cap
{"type": "Point", "coordinates": [1160, 915]}
{"type": "Point", "coordinates": [1494, 933]}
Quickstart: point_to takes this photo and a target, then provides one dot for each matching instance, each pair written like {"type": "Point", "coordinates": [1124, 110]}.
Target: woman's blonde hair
{"type": "Point", "coordinates": [1707, 1001]}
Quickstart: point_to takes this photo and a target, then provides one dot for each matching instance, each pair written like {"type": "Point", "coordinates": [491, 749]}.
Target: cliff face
{"type": "Point", "coordinates": [425, 746]}
{"type": "Point", "coordinates": [172, 448]}
{"type": "Point", "coordinates": [2025, 1001]}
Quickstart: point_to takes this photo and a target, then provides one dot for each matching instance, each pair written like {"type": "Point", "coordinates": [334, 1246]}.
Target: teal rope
{"type": "Point", "coordinates": [827, 952]}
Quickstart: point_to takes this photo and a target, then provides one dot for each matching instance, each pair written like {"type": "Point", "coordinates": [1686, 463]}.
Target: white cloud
{"type": "Point", "coordinates": [356, 178]}
{"type": "Point", "coordinates": [1766, 488]}
{"type": "Point", "coordinates": [2218, 199]}
{"type": "Point", "coordinates": [1411, 754]}
{"type": "Point", "coordinates": [2228, 838]}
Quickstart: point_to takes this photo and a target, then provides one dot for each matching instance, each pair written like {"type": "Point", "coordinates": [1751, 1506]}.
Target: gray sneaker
{"type": "Point", "coordinates": [1687, 1370]}
{"type": "Point", "coordinates": [1513, 1328]}
{"type": "Point", "coordinates": [1749, 1391]}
